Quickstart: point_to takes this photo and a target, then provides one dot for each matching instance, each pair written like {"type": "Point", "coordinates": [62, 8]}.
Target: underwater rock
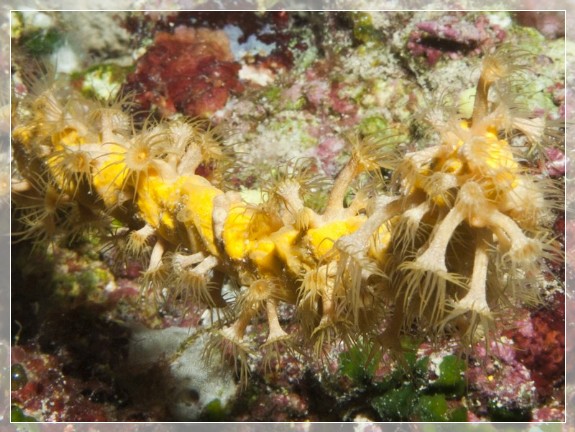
{"type": "Point", "coordinates": [194, 386]}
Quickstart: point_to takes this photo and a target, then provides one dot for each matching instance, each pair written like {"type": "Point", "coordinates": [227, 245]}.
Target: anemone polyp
{"type": "Point", "coordinates": [462, 221]}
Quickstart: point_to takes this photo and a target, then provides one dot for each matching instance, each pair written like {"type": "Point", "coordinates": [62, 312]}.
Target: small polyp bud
{"type": "Point", "coordinates": [473, 204]}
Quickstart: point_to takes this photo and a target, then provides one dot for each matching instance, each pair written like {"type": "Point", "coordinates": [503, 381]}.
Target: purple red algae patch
{"type": "Point", "coordinates": [453, 36]}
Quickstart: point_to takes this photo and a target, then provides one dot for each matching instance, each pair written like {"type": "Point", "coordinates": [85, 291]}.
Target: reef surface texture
{"type": "Point", "coordinates": [288, 216]}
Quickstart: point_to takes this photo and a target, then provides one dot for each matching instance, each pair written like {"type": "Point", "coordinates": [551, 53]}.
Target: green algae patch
{"type": "Point", "coordinates": [42, 41]}
{"type": "Point", "coordinates": [358, 363]}
{"type": "Point", "coordinates": [451, 376]}
{"type": "Point", "coordinates": [18, 416]}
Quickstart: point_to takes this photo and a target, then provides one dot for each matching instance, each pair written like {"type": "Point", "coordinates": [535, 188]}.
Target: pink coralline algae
{"type": "Point", "coordinates": [278, 407]}
{"type": "Point", "coordinates": [542, 350]}
{"type": "Point", "coordinates": [51, 395]}
{"type": "Point", "coordinates": [454, 37]}
{"type": "Point", "coordinates": [555, 164]}
{"type": "Point", "coordinates": [549, 414]}
{"type": "Point", "coordinates": [191, 71]}
{"type": "Point", "coordinates": [499, 379]}
{"type": "Point", "coordinates": [550, 24]}
{"type": "Point", "coordinates": [325, 95]}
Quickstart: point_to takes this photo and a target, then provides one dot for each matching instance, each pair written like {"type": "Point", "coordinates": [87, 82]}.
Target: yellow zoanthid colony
{"type": "Point", "coordinates": [458, 237]}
